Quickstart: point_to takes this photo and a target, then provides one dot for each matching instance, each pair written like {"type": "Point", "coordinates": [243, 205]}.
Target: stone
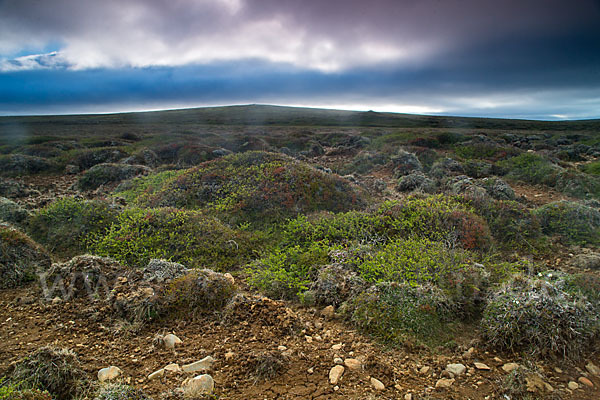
{"type": "Point", "coordinates": [469, 353]}
{"type": "Point", "coordinates": [156, 374]}
{"type": "Point", "coordinates": [535, 384]}
{"type": "Point", "coordinates": [481, 366]}
{"type": "Point", "coordinates": [585, 381]}
{"type": "Point", "coordinates": [377, 384]}
{"type": "Point", "coordinates": [229, 277]}
{"type": "Point", "coordinates": [198, 386]}
{"type": "Point", "coordinates": [170, 341]}
{"type": "Point", "coordinates": [335, 374]}
{"type": "Point", "coordinates": [573, 385]}
{"type": "Point", "coordinates": [202, 365]}
{"type": "Point", "coordinates": [109, 373]}
{"type": "Point", "coordinates": [173, 368]}
{"type": "Point", "coordinates": [592, 369]}
{"type": "Point", "coordinates": [337, 346]}
{"type": "Point", "coordinates": [425, 370]}
{"type": "Point", "coordinates": [510, 367]}
{"type": "Point", "coordinates": [456, 369]}
{"type": "Point", "coordinates": [281, 348]}
{"type": "Point", "coordinates": [353, 364]}
{"type": "Point", "coordinates": [229, 356]}
{"type": "Point", "coordinates": [308, 339]}
{"type": "Point", "coordinates": [444, 383]}
{"type": "Point", "coordinates": [338, 361]}
{"type": "Point", "coordinates": [408, 396]}
{"type": "Point", "coordinates": [328, 312]}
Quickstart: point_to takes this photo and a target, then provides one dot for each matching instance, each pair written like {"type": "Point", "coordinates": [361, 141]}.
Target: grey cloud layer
{"type": "Point", "coordinates": [327, 35]}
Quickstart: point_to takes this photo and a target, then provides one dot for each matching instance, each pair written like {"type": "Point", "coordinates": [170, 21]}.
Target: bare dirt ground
{"type": "Point", "coordinates": [238, 339]}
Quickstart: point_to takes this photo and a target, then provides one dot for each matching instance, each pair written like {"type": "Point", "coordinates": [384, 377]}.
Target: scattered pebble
{"type": "Point", "coordinates": [377, 384]}
{"type": "Point", "coordinates": [335, 374]}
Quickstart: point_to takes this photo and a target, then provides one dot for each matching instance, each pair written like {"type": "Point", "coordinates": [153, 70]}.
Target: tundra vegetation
{"type": "Point", "coordinates": [410, 227]}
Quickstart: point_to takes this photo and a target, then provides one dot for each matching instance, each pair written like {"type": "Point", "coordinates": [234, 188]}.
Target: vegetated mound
{"type": "Point", "coordinates": [64, 225]}
{"type": "Point", "coordinates": [575, 222]}
{"type": "Point", "coordinates": [137, 295]}
{"type": "Point", "coordinates": [53, 369]}
{"type": "Point", "coordinates": [20, 258]}
{"type": "Point", "coordinates": [101, 174]}
{"type": "Point", "coordinates": [20, 164]}
{"type": "Point", "coordinates": [257, 187]}
{"type": "Point", "coordinates": [12, 213]}
{"type": "Point", "coordinates": [539, 317]}
{"type": "Point", "coordinates": [188, 237]}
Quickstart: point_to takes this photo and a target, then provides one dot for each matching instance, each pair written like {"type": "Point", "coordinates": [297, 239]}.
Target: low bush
{"type": "Point", "coordinates": [87, 158]}
{"type": "Point", "coordinates": [12, 213]}
{"type": "Point", "coordinates": [575, 222]}
{"type": "Point", "coordinates": [19, 164]}
{"type": "Point", "coordinates": [531, 168]}
{"type": "Point", "coordinates": [512, 224]}
{"type": "Point", "coordinates": [253, 187]}
{"type": "Point", "coordinates": [64, 225]}
{"type": "Point", "coordinates": [199, 290]}
{"type": "Point", "coordinates": [288, 273]}
{"type": "Point", "coordinates": [592, 168]}
{"type": "Point", "coordinates": [20, 258]}
{"type": "Point", "coordinates": [187, 237]}
{"type": "Point", "coordinates": [53, 369]}
{"type": "Point", "coordinates": [19, 391]}
{"type": "Point", "coordinates": [537, 317]}
{"type": "Point", "coordinates": [101, 174]}
{"type": "Point", "coordinates": [396, 313]}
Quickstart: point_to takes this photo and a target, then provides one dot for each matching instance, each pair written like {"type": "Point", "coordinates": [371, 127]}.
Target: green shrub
{"type": "Point", "coordinates": [438, 218]}
{"type": "Point", "coordinates": [187, 237]}
{"type": "Point", "coordinates": [255, 187]}
{"type": "Point", "coordinates": [12, 213]}
{"type": "Point", "coordinates": [592, 168]}
{"type": "Point", "coordinates": [20, 164]}
{"type": "Point", "coordinates": [53, 369]}
{"type": "Point", "coordinates": [477, 151]}
{"type": "Point", "coordinates": [19, 391]}
{"type": "Point", "coordinates": [102, 174]}
{"type": "Point", "coordinates": [575, 222]}
{"type": "Point", "coordinates": [512, 224]}
{"type": "Point", "coordinates": [531, 168]}
{"type": "Point", "coordinates": [577, 184]}
{"type": "Point", "coordinates": [20, 258]}
{"type": "Point", "coordinates": [537, 317]}
{"type": "Point", "coordinates": [288, 273]}
{"type": "Point", "coordinates": [64, 225]}
{"type": "Point", "coordinates": [396, 313]}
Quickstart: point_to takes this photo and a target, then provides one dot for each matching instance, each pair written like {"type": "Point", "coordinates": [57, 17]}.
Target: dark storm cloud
{"type": "Point", "coordinates": [466, 56]}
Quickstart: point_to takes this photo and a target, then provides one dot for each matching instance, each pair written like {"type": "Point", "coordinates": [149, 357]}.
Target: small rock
{"type": "Point", "coordinates": [157, 374]}
{"type": "Point", "coordinates": [328, 312]}
{"type": "Point", "coordinates": [535, 384]}
{"type": "Point", "coordinates": [481, 366]}
{"type": "Point", "coordinates": [353, 364]}
{"type": "Point", "coordinates": [337, 346]}
{"type": "Point", "coordinates": [510, 367]}
{"type": "Point", "coordinates": [173, 368]}
{"type": "Point", "coordinates": [338, 361]}
{"type": "Point", "coordinates": [408, 396]}
{"type": "Point", "coordinates": [456, 369]}
{"type": "Point", "coordinates": [447, 374]}
{"type": "Point", "coordinates": [56, 300]}
{"type": "Point", "coordinates": [308, 339]}
{"type": "Point", "coordinates": [377, 384]}
{"type": "Point", "coordinates": [202, 365]}
{"type": "Point", "coordinates": [425, 370]}
{"type": "Point", "coordinates": [585, 381]}
{"type": "Point", "coordinates": [469, 353]}
{"type": "Point", "coordinates": [229, 356]}
{"type": "Point", "coordinates": [444, 383]}
{"type": "Point", "coordinates": [335, 374]}
{"type": "Point", "coordinates": [229, 277]}
{"type": "Point", "coordinates": [198, 386]}
{"type": "Point", "coordinates": [310, 370]}
{"type": "Point", "coordinates": [106, 374]}
{"type": "Point", "coordinates": [281, 348]}
{"type": "Point", "coordinates": [170, 341]}
{"type": "Point", "coordinates": [558, 370]}
{"type": "Point", "coordinates": [573, 385]}
{"type": "Point", "coordinates": [592, 369]}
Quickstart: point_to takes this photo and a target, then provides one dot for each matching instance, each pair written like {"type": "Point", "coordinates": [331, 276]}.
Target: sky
{"type": "Point", "coordinates": [532, 59]}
